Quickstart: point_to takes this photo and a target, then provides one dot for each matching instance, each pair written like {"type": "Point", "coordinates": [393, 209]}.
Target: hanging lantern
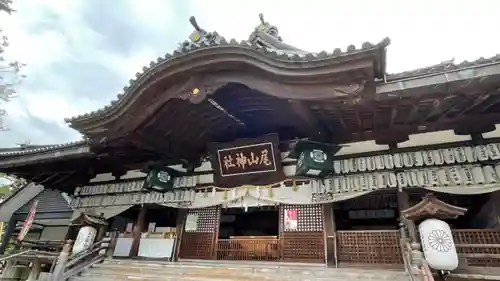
{"type": "Point", "coordinates": [438, 245]}
{"type": "Point", "coordinates": [160, 178]}
{"type": "Point", "coordinates": [84, 239]}
{"type": "Point", "coordinates": [314, 159]}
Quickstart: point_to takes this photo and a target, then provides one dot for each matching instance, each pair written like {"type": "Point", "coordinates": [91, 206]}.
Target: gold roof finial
{"type": "Point", "coordinates": [199, 33]}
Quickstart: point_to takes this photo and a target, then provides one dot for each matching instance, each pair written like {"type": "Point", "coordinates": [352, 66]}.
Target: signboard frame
{"type": "Point", "coordinates": [254, 161]}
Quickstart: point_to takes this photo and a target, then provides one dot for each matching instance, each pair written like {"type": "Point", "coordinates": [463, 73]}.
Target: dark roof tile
{"type": "Point", "coordinates": [442, 67]}
{"type": "Point", "coordinates": [22, 150]}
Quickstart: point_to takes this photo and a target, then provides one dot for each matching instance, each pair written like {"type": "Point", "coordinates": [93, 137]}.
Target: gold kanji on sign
{"type": "Point", "coordinates": [241, 160]}
{"type": "Point", "coordinates": [264, 158]}
{"type": "Point", "coordinates": [228, 162]}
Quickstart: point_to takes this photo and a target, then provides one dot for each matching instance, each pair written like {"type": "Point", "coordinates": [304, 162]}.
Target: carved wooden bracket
{"type": "Point", "coordinates": [211, 83]}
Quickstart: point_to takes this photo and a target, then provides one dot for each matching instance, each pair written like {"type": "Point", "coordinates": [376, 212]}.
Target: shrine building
{"type": "Point", "coordinates": [258, 150]}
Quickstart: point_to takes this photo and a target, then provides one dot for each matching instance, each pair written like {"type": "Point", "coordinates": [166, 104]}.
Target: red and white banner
{"type": "Point", "coordinates": [291, 223]}
{"type": "Point", "coordinates": [29, 221]}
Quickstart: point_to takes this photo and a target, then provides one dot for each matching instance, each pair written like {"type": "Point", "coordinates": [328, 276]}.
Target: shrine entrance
{"type": "Point", "coordinates": [249, 234]}
{"type": "Point", "coordinates": [289, 233]}
{"type": "Point", "coordinates": [367, 230]}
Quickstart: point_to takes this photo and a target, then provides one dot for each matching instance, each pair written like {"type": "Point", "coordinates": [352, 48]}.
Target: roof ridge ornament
{"type": "Point", "coordinates": [268, 29]}
{"type": "Point", "coordinates": [261, 17]}
{"type": "Point", "coordinates": [267, 36]}
{"type": "Point", "coordinates": [198, 32]}
{"type": "Point", "coordinates": [199, 37]}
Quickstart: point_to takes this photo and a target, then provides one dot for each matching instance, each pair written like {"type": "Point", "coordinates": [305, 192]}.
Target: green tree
{"type": "Point", "coordinates": [9, 70]}
{"type": "Point", "coordinates": [5, 186]}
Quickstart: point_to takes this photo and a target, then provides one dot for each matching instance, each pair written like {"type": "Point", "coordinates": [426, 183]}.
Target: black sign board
{"type": "Point", "coordinates": [247, 161]}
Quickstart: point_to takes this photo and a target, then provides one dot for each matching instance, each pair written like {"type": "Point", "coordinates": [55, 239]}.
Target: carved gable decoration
{"type": "Point", "coordinates": [90, 219]}
{"type": "Point", "coordinates": [247, 161]}
{"type": "Point", "coordinates": [430, 206]}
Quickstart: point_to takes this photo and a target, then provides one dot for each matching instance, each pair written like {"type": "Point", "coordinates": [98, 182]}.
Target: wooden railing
{"type": "Point", "coordinates": [369, 247]}
{"type": "Point", "coordinates": [425, 272]}
{"type": "Point", "coordinates": [478, 247]}
{"type": "Point", "coordinates": [262, 248]}
{"type": "Point", "coordinates": [406, 253]}
{"type": "Point", "coordinates": [46, 250]}
{"type": "Point", "coordinates": [69, 265]}
{"type": "Point", "coordinates": [422, 272]}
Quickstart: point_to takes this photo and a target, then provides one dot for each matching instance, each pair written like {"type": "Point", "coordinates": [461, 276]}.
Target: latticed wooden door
{"type": "Point", "coordinates": [199, 243]}
{"type": "Point", "coordinates": [306, 242]}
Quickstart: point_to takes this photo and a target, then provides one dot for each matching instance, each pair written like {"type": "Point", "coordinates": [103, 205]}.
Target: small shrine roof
{"type": "Point", "coordinates": [431, 206]}
{"type": "Point", "coordinates": [28, 149]}
{"type": "Point", "coordinates": [444, 66]}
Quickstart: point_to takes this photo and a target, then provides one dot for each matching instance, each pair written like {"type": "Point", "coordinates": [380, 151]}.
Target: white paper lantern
{"type": "Point", "coordinates": [388, 161]}
{"type": "Point", "coordinates": [470, 154]}
{"type": "Point", "coordinates": [418, 158]}
{"type": "Point", "coordinates": [337, 166]}
{"type": "Point", "coordinates": [84, 239]}
{"type": "Point", "coordinates": [438, 245]}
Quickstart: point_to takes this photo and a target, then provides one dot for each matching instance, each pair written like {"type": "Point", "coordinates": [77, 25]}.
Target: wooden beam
{"type": "Point", "coordinates": [476, 102]}
{"type": "Point", "coordinates": [480, 108]}
{"type": "Point", "coordinates": [47, 179]}
{"type": "Point", "coordinates": [437, 103]}
{"type": "Point", "coordinates": [149, 143]}
{"type": "Point", "coordinates": [358, 119]}
{"type": "Point", "coordinates": [61, 179]}
{"type": "Point", "coordinates": [312, 124]}
{"type": "Point", "coordinates": [412, 113]}
{"type": "Point", "coordinates": [338, 113]}
{"type": "Point", "coordinates": [445, 106]}
{"type": "Point", "coordinates": [394, 113]}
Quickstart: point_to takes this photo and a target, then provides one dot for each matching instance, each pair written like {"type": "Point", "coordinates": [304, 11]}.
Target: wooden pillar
{"type": "Point", "coordinates": [114, 234]}
{"type": "Point", "coordinates": [35, 271]}
{"type": "Point", "coordinates": [330, 235]}
{"type": "Point", "coordinates": [179, 230]}
{"type": "Point", "coordinates": [101, 231]}
{"type": "Point", "coordinates": [404, 203]}
{"type": "Point", "coordinates": [136, 233]}
{"type": "Point", "coordinates": [9, 230]}
{"type": "Point", "coordinates": [61, 262]}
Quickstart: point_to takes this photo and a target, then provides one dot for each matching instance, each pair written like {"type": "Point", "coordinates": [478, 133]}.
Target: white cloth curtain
{"type": "Point", "coordinates": [108, 212]}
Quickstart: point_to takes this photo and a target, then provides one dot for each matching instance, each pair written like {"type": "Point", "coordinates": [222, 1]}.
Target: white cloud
{"type": "Point", "coordinates": [154, 14]}
{"type": "Point", "coordinates": [423, 33]}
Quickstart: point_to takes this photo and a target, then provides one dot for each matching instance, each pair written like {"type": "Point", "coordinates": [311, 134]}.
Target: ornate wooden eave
{"type": "Point", "coordinates": [430, 206]}
{"type": "Point", "coordinates": [347, 93]}
{"type": "Point", "coordinates": [284, 66]}
{"type": "Point", "coordinates": [174, 77]}
{"type": "Point", "coordinates": [212, 89]}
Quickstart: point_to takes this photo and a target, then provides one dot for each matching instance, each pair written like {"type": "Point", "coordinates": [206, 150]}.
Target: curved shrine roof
{"type": "Point", "coordinates": [265, 49]}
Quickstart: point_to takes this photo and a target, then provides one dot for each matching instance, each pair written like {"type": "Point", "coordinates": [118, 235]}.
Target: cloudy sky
{"type": "Point", "coordinates": [80, 53]}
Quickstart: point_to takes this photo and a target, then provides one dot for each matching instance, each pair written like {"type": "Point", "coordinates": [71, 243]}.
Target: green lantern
{"type": "Point", "coordinates": [160, 179]}
{"type": "Point", "coordinates": [314, 159]}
